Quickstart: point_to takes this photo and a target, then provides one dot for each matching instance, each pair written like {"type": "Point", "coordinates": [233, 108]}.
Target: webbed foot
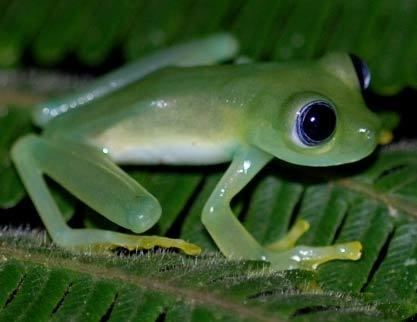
{"type": "Point", "coordinates": [283, 255]}
{"type": "Point", "coordinates": [309, 258]}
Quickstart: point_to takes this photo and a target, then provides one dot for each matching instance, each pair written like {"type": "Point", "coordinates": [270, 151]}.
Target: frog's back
{"type": "Point", "coordinates": [195, 112]}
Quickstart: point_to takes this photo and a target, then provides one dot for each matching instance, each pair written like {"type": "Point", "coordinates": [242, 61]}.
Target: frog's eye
{"type": "Point", "coordinates": [362, 71]}
{"type": "Point", "coordinates": [315, 123]}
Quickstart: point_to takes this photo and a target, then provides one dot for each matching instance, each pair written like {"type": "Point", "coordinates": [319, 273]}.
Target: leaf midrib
{"type": "Point", "coordinates": [390, 201]}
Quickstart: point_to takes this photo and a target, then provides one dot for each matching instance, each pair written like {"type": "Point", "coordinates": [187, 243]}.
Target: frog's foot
{"type": "Point", "coordinates": [289, 240]}
{"type": "Point", "coordinates": [283, 255]}
{"type": "Point", "coordinates": [309, 258]}
{"type": "Point", "coordinates": [98, 240]}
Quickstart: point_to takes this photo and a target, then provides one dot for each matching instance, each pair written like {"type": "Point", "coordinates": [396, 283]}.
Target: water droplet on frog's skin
{"type": "Point", "coordinates": [296, 258]}
{"type": "Point", "coordinates": [246, 165]}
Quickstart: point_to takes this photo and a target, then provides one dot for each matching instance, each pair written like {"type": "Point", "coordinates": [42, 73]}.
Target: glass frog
{"type": "Point", "coordinates": [176, 107]}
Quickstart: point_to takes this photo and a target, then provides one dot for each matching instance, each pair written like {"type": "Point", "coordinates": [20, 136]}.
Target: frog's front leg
{"type": "Point", "coordinates": [234, 240]}
{"type": "Point", "coordinates": [93, 178]}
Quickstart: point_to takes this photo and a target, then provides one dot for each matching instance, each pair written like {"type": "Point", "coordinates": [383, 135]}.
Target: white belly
{"type": "Point", "coordinates": [175, 151]}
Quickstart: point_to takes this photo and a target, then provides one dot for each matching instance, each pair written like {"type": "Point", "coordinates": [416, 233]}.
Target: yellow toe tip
{"type": "Point", "coordinates": [304, 224]}
{"type": "Point", "coordinates": [191, 249]}
{"type": "Point", "coordinates": [354, 250]}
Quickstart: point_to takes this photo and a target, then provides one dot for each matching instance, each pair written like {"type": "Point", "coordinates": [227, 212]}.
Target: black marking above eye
{"type": "Point", "coordinates": [362, 71]}
{"type": "Point", "coordinates": [316, 123]}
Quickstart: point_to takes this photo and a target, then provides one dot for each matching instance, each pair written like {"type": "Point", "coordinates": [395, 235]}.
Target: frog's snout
{"type": "Point", "coordinates": [372, 132]}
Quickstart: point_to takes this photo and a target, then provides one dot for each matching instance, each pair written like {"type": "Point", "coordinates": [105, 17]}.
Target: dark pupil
{"type": "Point", "coordinates": [316, 123]}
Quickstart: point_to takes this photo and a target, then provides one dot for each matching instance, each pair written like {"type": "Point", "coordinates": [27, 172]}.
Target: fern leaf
{"type": "Point", "coordinates": [45, 283]}
{"type": "Point", "coordinates": [381, 31]}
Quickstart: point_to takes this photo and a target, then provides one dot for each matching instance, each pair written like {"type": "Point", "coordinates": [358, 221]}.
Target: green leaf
{"type": "Point", "coordinates": [396, 278]}
{"type": "Point", "coordinates": [44, 282]}
{"type": "Point", "coordinates": [381, 31]}
{"type": "Point", "coordinates": [266, 207]}
{"type": "Point", "coordinates": [13, 124]}
{"type": "Point", "coordinates": [369, 223]}
{"type": "Point", "coordinates": [173, 190]}
{"type": "Point", "coordinates": [193, 229]}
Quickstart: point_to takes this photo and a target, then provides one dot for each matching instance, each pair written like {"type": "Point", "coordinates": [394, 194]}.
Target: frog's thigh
{"type": "Point", "coordinates": [94, 179]}
{"type": "Point", "coordinates": [205, 51]}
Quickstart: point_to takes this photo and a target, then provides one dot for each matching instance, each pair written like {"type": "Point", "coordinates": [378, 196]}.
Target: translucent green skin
{"type": "Point", "coordinates": [229, 107]}
{"type": "Point", "coordinates": [197, 115]}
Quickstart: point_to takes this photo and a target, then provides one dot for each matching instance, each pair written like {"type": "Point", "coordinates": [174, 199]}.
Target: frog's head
{"type": "Point", "coordinates": [324, 121]}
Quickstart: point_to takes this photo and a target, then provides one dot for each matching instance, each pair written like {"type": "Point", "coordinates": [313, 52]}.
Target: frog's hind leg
{"type": "Point", "coordinates": [310, 257]}
{"type": "Point", "coordinates": [205, 51]}
{"type": "Point", "coordinates": [93, 178]}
